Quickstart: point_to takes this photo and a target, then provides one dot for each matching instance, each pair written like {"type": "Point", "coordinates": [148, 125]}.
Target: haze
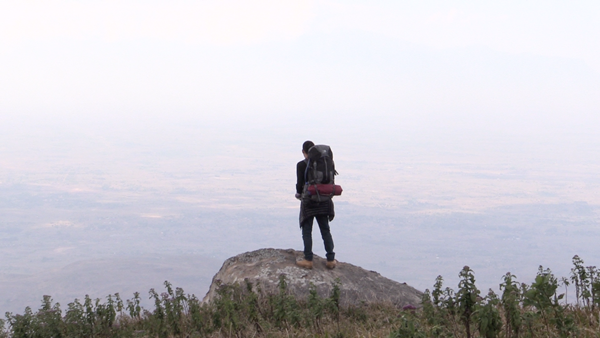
{"type": "Point", "coordinates": [143, 141]}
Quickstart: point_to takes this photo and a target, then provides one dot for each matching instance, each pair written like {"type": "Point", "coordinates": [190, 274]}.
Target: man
{"type": "Point", "coordinates": [309, 210]}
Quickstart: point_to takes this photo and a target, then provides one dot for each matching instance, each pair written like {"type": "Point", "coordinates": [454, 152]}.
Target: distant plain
{"type": "Point", "coordinates": [83, 214]}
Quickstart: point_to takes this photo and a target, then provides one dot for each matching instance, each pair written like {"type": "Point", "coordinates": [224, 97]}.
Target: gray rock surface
{"type": "Point", "coordinates": [358, 285]}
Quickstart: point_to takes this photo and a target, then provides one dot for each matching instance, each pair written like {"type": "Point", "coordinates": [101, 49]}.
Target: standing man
{"type": "Point", "coordinates": [309, 210]}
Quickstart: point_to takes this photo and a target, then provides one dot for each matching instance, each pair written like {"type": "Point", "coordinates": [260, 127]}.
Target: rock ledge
{"type": "Point", "coordinates": [358, 285]}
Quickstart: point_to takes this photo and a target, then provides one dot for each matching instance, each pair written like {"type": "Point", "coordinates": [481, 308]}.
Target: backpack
{"type": "Point", "coordinates": [319, 176]}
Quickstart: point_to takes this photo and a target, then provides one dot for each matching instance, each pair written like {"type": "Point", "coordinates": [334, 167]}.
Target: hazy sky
{"type": "Point", "coordinates": [420, 65]}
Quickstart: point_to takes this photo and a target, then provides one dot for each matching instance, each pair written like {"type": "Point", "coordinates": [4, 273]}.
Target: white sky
{"type": "Point", "coordinates": [457, 64]}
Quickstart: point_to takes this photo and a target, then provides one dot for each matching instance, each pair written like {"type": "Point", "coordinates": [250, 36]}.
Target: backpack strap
{"type": "Point", "coordinates": [326, 178]}
{"type": "Point", "coordinates": [306, 171]}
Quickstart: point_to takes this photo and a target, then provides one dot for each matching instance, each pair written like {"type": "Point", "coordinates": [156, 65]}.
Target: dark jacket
{"type": "Point", "coordinates": [300, 170]}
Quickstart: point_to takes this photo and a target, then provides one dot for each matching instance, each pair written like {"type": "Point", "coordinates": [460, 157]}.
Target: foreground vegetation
{"type": "Point", "coordinates": [521, 310]}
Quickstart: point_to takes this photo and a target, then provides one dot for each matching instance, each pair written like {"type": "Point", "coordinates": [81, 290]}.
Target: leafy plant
{"type": "Point", "coordinates": [543, 297]}
{"type": "Point", "coordinates": [511, 298]}
{"type": "Point", "coordinates": [409, 328]}
{"type": "Point", "coordinates": [487, 315]}
{"type": "Point", "coordinates": [581, 280]}
{"type": "Point", "coordinates": [466, 298]}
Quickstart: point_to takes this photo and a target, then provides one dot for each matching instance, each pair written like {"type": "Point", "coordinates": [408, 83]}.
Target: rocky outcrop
{"type": "Point", "coordinates": [263, 267]}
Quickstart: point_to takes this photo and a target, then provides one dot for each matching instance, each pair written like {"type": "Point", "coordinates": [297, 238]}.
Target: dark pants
{"type": "Point", "coordinates": [307, 225]}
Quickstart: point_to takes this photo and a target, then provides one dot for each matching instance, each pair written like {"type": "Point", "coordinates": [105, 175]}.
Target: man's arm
{"type": "Point", "coordinates": [300, 169]}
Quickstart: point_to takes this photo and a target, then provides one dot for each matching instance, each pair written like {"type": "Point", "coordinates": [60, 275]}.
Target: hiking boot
{"type": "Point", "coordinates": [303, 263]}
{"type": "Point", "coordinates": [331, 264]}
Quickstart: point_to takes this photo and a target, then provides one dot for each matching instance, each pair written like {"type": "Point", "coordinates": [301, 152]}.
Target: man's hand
{"type": "Point", "coordinates": [298, 196]}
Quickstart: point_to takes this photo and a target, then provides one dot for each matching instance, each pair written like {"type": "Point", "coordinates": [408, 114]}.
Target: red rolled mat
{"type": "Point", "coordinates": [325, 189]}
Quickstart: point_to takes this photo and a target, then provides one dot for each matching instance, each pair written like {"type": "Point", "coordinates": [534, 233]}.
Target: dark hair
{"type": "Point", "coordinates": [307, 146]}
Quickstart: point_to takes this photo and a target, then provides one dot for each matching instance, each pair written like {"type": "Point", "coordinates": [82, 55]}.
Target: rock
{"type": "Point", "coordinates": [358, 285]}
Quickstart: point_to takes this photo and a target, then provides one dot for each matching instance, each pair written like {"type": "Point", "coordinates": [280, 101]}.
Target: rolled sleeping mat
{"type": "Point", "coordinates": [325, 189]}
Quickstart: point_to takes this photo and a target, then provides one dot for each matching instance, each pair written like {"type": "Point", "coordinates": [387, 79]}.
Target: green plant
{"type": "Point", "coordinates": [280, 302]}
{"type": "Point", "coordinates": [487, 315]}
{"type": "Point", "coordinates": [437, 292]}
{"type": "Point", "coordinates": [596, 290]}
{"type": "Point", "coordinates": [466, 298]}
{"type": "Point", "coordinates": [581, 280]}
{"type": "Point", "coordinates": [75, 323]}
{"type": "Point", "coordinates": [439, 311]}
{"type": "Point", "coordinates": [594, 286]}
{"type": "Point", "coordinates": [158, 317]}
{"type": "Point", "coordinates": [198, 316]}
{"type": "Point", "coordinates": [427, 306]}
{"type": "Point", "coordinates": [511, 297]}
{"type": "Point", "coordinates": [316, 307]}
{"type": "Point", "coordinates": [543, 297]}
{"type": "Point", "coordinates": [21, 325]}
{"type": "Point", "coordinates": [334, 299]}
{"type": "Point", "coordinates": [3, 331]}
{"type": "Point", "coordinates": [133, 306]}
{"type": "Point", "coordinates": [225, 311]}
{"type": "Point", "coordinates": [334, 302]}
{"type": "Point", "coordinates": [252, 305]}
{"type": "Point", "coordinates": [409, 328]}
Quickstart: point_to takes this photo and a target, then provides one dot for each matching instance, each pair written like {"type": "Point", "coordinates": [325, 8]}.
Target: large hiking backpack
{"type": "Point", "coordinates": [319, 176]}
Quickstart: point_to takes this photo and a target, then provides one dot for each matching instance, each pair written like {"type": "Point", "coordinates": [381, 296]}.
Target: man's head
{"type": "Point", "coordinates": [305, 146]}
